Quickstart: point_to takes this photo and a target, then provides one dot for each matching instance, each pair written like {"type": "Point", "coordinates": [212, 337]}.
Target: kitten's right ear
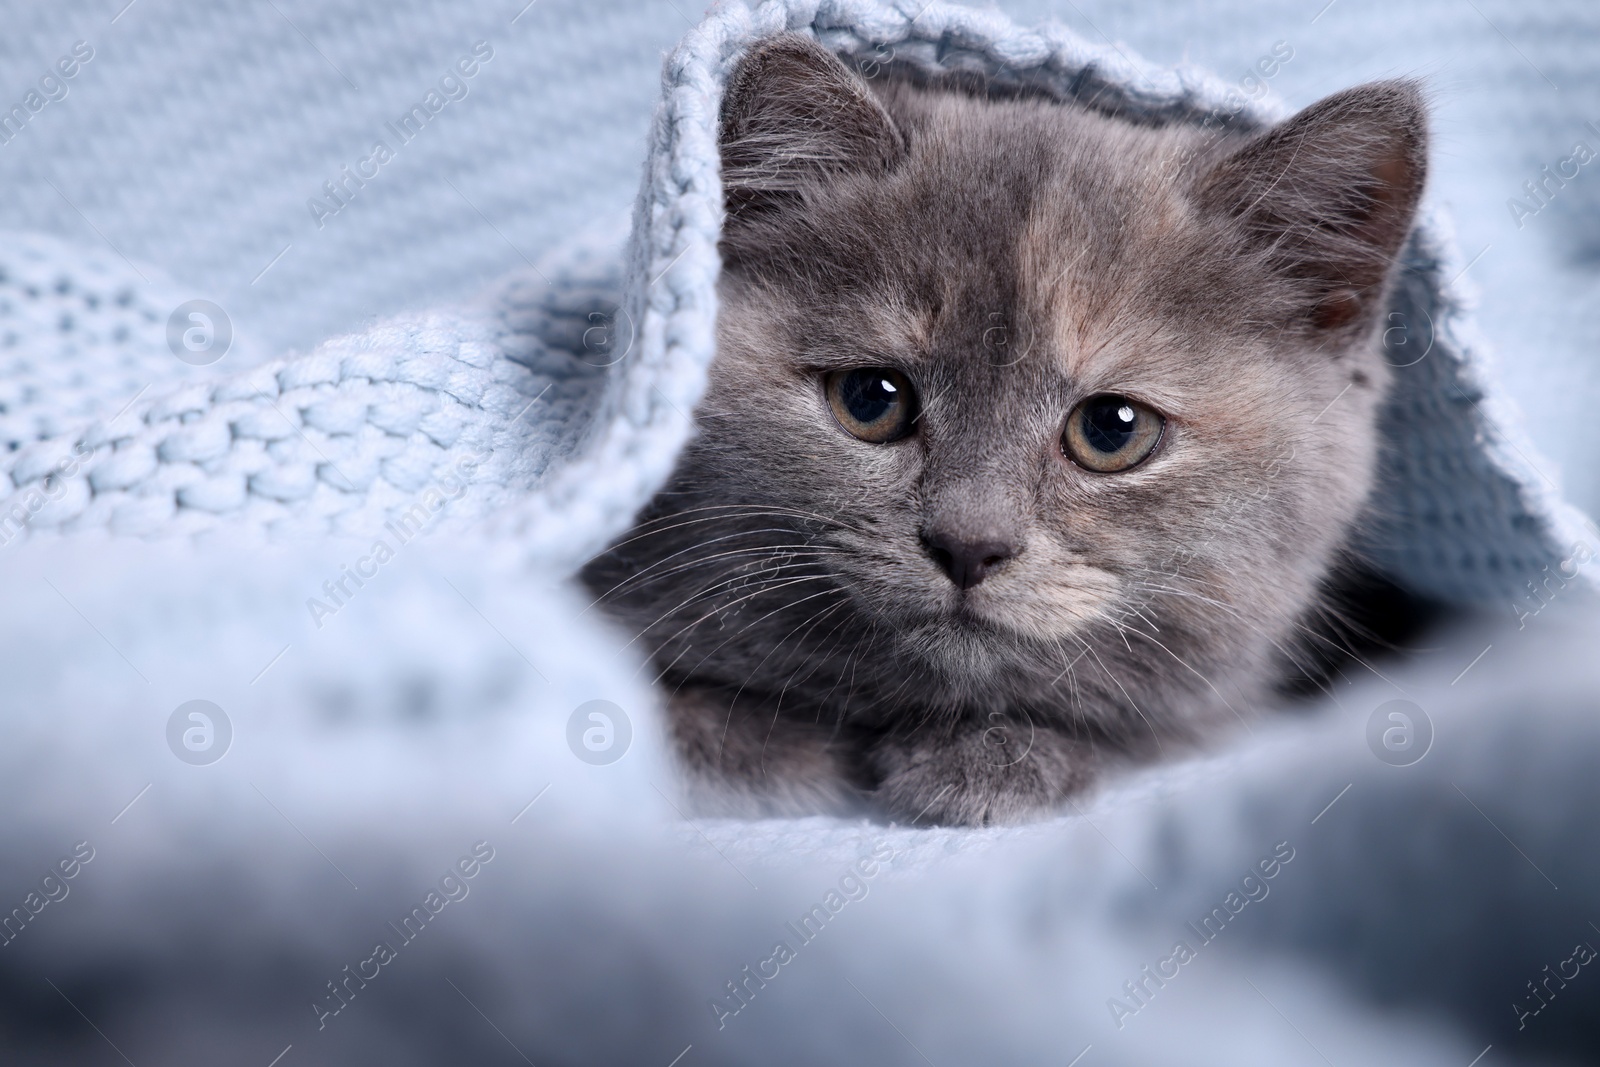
{"type": "Point", "coordinates": [1330, 195]}
{"type": "Point", "coordinates": [793, 112]}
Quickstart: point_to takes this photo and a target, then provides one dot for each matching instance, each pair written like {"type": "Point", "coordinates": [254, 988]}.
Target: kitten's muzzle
{"type": "Point", "coordinates": [967, 562]}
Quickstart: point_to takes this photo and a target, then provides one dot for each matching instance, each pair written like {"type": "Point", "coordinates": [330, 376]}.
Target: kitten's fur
{"type": "Point", "coordinates": [1010, 256]}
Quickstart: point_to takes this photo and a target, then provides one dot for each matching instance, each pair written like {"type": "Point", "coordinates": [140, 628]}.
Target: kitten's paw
{"type": "Point", "coordinates": [979, 776]}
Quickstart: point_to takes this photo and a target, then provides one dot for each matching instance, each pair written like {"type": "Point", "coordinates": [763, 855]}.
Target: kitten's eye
{"type": "Point", "coordinates": [1110, 433]}
{"type": "Point", "coordinates": [872, 403]}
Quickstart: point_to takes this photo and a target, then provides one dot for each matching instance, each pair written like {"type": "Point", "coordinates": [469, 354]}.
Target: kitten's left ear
{"type": "Point", "coordinates": [794, 113]}
{"type": "Point", "coordinates": [1329, 196]}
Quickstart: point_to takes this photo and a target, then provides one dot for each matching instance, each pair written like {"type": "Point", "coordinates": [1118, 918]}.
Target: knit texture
{"type": "Point", "coordinates": [433, 708]}
{"type": "Point", "coordinates": [561, 404]}
{"type": "Point", "coordinates": [105, 430]}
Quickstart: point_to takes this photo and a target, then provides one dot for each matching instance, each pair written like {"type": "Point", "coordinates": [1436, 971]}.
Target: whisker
{"type": "Point", "coordinates": [1131, 703]}
{"type": "Point", "coordinates": [777, 708]}
{"type": "Point", "coordinates": [768, 615]}
{"type": "Point", "coordinates": [775, 551]}
{"type": "Point", "coordinates": [724, 513]}
{"type": "Point", "coordinates": [721, 608]}
{"type": "Point", "coordinates": [817, 659]}
{"type": "Point", "coordinates": [1288, 654]}
{"type": "Point", "coordinates": [1225, 702]}
{"type": "Point", "coordinates": [663, 530]}
{"type": "Point", "coordinates": [752, 582]}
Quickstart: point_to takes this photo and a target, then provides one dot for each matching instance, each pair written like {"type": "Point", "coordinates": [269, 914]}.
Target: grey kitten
{"type": "Point", "coordinates": [1031, 441]}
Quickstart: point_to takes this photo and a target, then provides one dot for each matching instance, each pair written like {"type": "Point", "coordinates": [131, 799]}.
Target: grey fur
{"type": "Point", "coordinates": [1010, 256]}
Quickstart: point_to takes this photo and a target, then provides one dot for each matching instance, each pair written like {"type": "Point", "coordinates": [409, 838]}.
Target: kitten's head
{"type": "Point", "coordinates": [1016, 402]}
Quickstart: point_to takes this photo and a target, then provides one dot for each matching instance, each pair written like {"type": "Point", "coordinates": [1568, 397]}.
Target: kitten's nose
{"type": "Point", "coordinates": [967, 562]}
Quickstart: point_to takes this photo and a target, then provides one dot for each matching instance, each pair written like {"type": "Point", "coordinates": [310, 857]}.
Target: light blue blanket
{"type": "Point", "coordinates": [389, 836]}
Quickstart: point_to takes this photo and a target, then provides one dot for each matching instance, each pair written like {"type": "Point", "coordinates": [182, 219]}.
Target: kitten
{"type": "Point", "coordinates": [1032, 436]}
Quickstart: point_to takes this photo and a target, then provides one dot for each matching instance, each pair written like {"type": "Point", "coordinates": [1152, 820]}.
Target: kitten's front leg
{"type": "Point", "coordinates": [743, 759]}
{"type": "Point", "coordinates": [981, 772]}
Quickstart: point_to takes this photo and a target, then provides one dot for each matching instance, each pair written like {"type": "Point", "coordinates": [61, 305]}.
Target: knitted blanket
{"type": "Point", "coordinates": [314, 752]}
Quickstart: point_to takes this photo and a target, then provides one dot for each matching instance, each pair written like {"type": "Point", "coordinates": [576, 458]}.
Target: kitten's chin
{"type": "Point", "coordinates": [991, 625]}
{"type": "Point", "coordinates": [965, 632]}
{"type": "Point", "coordinates": [1026, 616]}
{"type": "Point", "coordinates": [969, 620]}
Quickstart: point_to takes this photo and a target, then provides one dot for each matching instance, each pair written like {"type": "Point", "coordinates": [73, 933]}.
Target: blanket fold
{"type": "Point", "coordinates": [175, 531]}
{"type": "Point", "coordinates": [569, 389]}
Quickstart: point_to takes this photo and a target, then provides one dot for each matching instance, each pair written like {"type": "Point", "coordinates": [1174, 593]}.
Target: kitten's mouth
{"type": "Point", "coordinates": [965, 615]}
{"type": "Point", "coordinates": [1005, 616]}
{"type": "Point", "coordinates": [1012, 608]}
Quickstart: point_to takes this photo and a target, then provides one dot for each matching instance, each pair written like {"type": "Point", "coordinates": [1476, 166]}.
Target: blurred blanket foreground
{"type": "Point", "coordinates": [384, 839]}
